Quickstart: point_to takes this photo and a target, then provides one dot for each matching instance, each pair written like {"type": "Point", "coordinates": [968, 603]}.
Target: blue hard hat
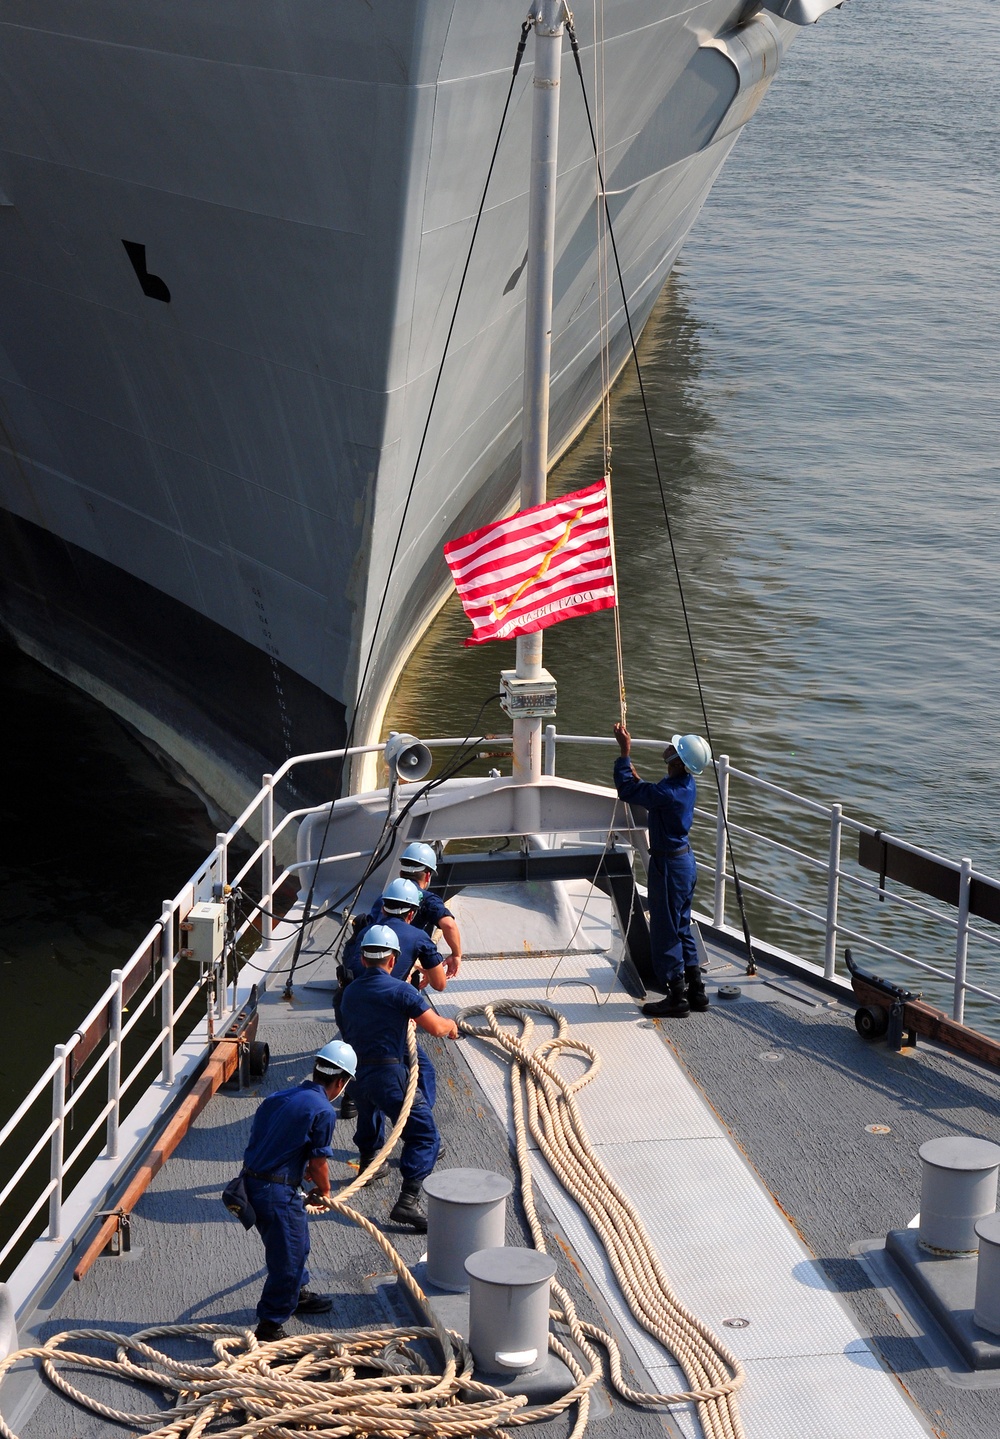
{"type": "Point", "coordinates": [418, 857]}
{"type": "Point", "coordinates": [694, 752]}
{"type": "Point", "coordinates": [336, 1056]}
{"type": "Point", "coordinates": [400, 896]}
{"type": "Point", "coordinates": [380, 936]}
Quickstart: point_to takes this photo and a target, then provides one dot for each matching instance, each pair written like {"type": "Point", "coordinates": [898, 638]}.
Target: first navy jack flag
{"type": "Point", "coordinates": [544, 565]}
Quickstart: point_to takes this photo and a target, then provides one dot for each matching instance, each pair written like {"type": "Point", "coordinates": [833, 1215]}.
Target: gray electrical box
{"type": "Point", "coordinates": [203, 933]}
{"type": "Point", "coordinates": [527, 699]}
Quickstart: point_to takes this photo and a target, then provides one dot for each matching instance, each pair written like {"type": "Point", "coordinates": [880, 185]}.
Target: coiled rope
{"type": "Point", "coordinates": [713, 1372]}
{"type": "Point", "coordinates": [311, 1382]}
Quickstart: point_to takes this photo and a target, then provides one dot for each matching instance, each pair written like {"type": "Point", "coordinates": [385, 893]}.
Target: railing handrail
{"type": "Point", "coordinates": [213, 870]}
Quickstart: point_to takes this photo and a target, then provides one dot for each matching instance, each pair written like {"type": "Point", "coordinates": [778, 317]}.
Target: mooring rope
{"type": "Point", "coordinates": [309, 1383]}
{"type": "Point", "coordinates": [713, 1372]}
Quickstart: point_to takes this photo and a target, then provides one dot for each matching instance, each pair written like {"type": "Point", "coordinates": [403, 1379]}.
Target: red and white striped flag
{"type": "Point", "coordinates": [543, 565]}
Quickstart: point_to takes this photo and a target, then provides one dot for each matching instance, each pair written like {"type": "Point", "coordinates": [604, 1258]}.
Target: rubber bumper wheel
{"type": "Point", "coordinates": [871, 1021]}
{"type": "Point", "coordinates": [259, 1056]}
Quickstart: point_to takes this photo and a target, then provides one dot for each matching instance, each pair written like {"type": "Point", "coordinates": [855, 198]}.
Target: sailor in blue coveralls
{"type": "Point", "coordinates": [418, 864]}
{"type": "Point", "coordinates": [290, 1140]}
{"type": "Point", "coordinates": [396, 910]}
{"type": "Point", "coordinates": [672, 867]}
{"type": "Point", "coordinates": [376, 1010]}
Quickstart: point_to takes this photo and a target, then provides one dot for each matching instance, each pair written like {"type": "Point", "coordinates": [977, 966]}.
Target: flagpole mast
{"type": "Point", "coordinates": [548, 26]}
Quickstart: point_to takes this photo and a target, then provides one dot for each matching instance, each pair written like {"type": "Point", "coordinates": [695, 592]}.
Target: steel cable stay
{"type": "Point", "coordinates": [310, 1382]}
{"type": "Point", "coordinates": [365, 673]}
{"type": "Point", "coordinates": [603, 202]}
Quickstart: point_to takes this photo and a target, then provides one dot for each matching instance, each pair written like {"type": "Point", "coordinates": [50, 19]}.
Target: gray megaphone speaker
{"type": "Point", "coordinates": [406, 757]}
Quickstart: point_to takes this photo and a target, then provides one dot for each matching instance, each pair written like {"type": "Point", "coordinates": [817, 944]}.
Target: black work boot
{"type": "Point", "coordinates": [310, 1303]}
{"type": "Point", "coordinates": [267, 1331]}
{"type": "Point", "coordinates": [348, 1108]}
{"type": "Point", "coordinates": [406, 1209]}
{"type": "Point", "coordinates": [365, 1160]}
{"type": "Point", "coordinates": [696, 993]}
{"type": "Point", "coordinates": [675, 1006]}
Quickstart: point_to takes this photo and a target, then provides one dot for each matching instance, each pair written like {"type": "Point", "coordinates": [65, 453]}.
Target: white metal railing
{"type": "Point", "coordinates": [160, 947]}
{"type": "Point", "coordinates": [830, 867]}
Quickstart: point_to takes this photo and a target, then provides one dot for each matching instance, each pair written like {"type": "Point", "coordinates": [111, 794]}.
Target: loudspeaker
{"type": "Point", "coordinates": [406, 756]}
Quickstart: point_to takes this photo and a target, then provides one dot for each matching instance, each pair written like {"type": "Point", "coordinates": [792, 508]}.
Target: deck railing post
{"type": "Point", "coordinates": [168, 951]}
{"type": "Point", "coordinates": [114, 1061]}
{"type": "Point", "coordinates": [222, 861]}
{"type": "Point", "coordinates": [549, 750]}
{"type": "Point", "coordinates": [219, 979]}
{"type": "Point", "coordinates": [962, 941]}
{"type": "Point", "coordinates": [719, 906]}
{"type": "Point", "coordinates": [266, 860]}
{"type": "Point", "coordinates": [57, 1140]}
{"type": "Point", "coordinates": [833, 891]}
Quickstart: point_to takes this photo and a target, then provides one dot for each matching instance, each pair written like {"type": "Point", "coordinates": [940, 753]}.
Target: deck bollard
{"type": "Point", "coordinates": [509, 1309]}
{"type": "Point", "coordinates": [466, 1211]}
{"type": "Point", "coordinates": [959, 1187]}
{"type": "Point", "coordinates": [8, 1323]}
{"type": "Point", "coordinates": [987, 1311]}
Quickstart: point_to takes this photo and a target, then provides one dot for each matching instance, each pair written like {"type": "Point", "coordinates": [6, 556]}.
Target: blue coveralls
{"type": "Point", "coordinates": [414, 947]}
{"type": "Point", "coordinates": [672, 868]}
{"type": "Point", "coordinates": [290, 1128]}
{"type": "Point", "coordinates": [376, 1011]}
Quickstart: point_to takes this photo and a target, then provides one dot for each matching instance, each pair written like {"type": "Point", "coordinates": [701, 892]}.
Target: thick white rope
{"type": "Point", "coordinates": [309, 1383]}
{"type": "Point", "coordinates": [713, 1372]}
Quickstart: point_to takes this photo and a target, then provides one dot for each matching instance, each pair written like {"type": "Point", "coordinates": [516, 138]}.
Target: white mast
{"type": "Point", "coordinates": [548, 26]}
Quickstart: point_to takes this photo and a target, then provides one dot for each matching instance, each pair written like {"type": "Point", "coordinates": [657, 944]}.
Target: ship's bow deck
{"type": "Point", "coordinates": [739, 1135]}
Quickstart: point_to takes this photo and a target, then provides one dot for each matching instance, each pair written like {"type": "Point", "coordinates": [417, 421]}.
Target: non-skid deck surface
{"type": "Point", "coordinates": [726, 1246]}
{"type": "Point", "coordinates": [193, 1262]}
{"type": "Point", "coordinates": [834, 1125]}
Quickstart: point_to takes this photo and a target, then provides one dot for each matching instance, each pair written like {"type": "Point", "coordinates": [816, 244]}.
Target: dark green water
{"type": "Point", "coordinates": [94, 835]}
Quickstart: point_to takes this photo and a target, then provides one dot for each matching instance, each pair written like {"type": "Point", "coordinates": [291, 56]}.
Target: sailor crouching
{"type": "Point", "coordinates": [376, 1009]}
{"type": "Point", "coordinates": [290, 1140]}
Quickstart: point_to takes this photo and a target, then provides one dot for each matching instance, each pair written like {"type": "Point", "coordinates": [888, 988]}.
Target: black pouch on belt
{"type": "Point", "coordinates": [237, 1201]}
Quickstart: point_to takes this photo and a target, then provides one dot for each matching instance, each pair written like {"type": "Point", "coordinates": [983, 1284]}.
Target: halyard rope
{"type": "Point", "coordinates": [309, 1382]}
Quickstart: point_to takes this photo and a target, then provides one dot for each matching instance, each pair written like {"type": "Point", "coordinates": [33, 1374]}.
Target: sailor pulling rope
{"type": "Point", "coordinates": [310, 1383]}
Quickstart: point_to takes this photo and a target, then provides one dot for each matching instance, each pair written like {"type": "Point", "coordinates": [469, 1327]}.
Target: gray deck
{"type": "Point", "coordinates": [192, 1262]}
{"type": "Point", "coordinates": [786, 1078]}
{"type": "Point", "coordinates": [796, 1087]}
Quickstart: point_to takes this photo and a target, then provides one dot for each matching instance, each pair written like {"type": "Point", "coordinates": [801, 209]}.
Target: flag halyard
{"type": "Point", "coordinates": [546, 564]}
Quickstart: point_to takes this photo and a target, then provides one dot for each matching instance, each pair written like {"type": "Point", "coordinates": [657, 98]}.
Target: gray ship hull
{"type": "Point", "coordinates": [232, 238]}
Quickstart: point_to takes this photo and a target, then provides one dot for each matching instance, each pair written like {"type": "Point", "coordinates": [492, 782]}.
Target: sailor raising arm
{"type": "Point", "coordinates": [672, 867]}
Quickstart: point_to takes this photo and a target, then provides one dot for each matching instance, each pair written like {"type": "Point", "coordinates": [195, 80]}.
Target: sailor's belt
{"type": "Point", "coordinates": [379, 1063]}
{"type": "Point", "coordinates": [271, 1178]}
{"type": "Point", "coordinates": [670, 853]}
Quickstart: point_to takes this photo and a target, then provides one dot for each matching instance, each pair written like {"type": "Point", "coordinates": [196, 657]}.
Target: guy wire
{"type": "Point", "coordinates": [522, 43]}
{"type": "Point", "coordinates": [737, 885]}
